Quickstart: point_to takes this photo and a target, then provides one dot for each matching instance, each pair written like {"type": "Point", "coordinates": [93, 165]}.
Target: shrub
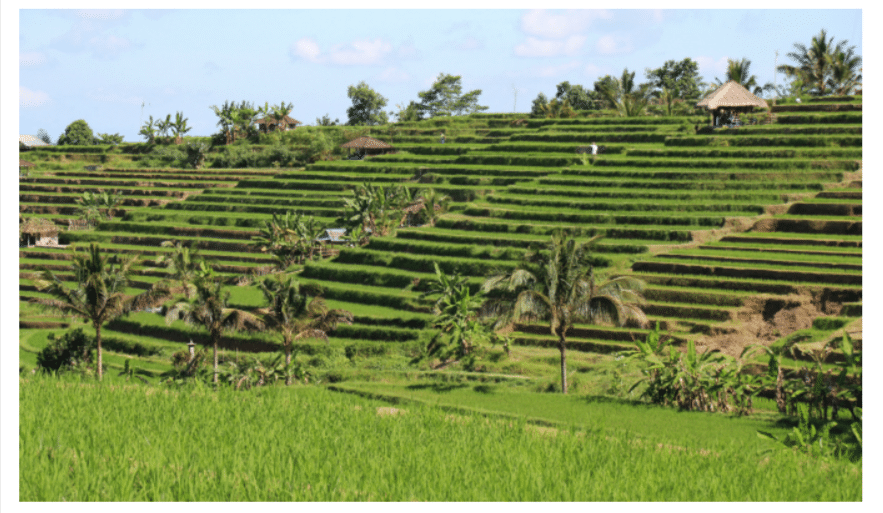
{"type": "Point", "coordinates": [70, 350]}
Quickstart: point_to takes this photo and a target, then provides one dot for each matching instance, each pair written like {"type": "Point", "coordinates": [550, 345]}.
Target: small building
{"type": "Point", "coordinates": [368, 146]}
{"type": "Point", "coordinates": [269, 124]}
{"type": "Point", "coordinates": [333, 236]}
{"type": "Point", "coordinates": [730, 98]}
{"type": "Point", "coordinates": [37, 231]}
{"type": "Point", "coordinates": [30, 141]}
{"type": "Point", "coordinates": [23, 166]}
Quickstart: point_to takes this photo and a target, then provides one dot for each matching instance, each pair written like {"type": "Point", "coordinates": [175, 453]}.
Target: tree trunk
{"type": "Point", "coordinates": [561, 347]}
{"type": "Point", "coordinates": [287, 361]}
{"type": "Point", "coordinates": [780, 388]}
{"type": "Point", "coordinates": [98, 342]}
{"type": "Point", "coordinates": [215, 357]}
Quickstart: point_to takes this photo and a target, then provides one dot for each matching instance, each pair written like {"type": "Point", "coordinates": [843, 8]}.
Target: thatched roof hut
{"type": "Point", "coordinates": [731, 97]}
{"type": "Point", "coordinates": [268, 123]}
{"type": "Point", "coordinates": [368, 145]}
{"type": "Point", "coordinates": [24, 163]}
{"type": "Point", "coordinates": [38, 226]}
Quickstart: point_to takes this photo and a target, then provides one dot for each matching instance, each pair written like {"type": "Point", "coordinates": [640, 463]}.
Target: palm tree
{"type": "Point", "coordinates": [814, 63]}
{"type": "Point", "coordinates": [163, 126]}
{"type": "Point", "coordinates": [209, 308]}
{"type": "Point", "coordinates": [738, 71]}
{"type": "Point", "coordinates": [279, 112]}
{"type": "Point", "coordinates": [149, 130]}
{"type": "Point", "coordinates": [624, 96]}
{"type": "Point", "coordinates": [435, 204]}
{"type": "Point", "coordinates": [225, 119]}
{"type": "Point", "coordinates": [180, 127]}
{"type": "Point", "coordinates": [100, 293]}
{"type": "Point", "coordinates": [183, 265]}
{"type": "Point", "coordinates": [297, 312]}
{"type": "Point", "coordinates": [845, 71]}
{"type": "Point", "coordinates": [558, 284]}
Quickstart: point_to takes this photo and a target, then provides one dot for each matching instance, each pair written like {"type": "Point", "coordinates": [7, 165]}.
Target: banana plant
{"type": "Point", "coordinates": [148, 130]}
{"type": "Point", "coordinates": [179, 127]}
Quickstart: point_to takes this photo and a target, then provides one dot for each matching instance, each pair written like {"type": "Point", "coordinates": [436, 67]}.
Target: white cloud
{"type": "Point", "coordinates": [363, 51]}
{"type": "Point", "coordinates": [31, 58]}
{"type": "Point", "coordinates": [360, 52]}
{"type": "Point", "coordinates": [610, 44]}
{"type": "Point", "coordinates": [90, 35]}
{"type": "Point", "coordinates": [534, 47]}
{"type": "Point", "coordinates": [393, 74]}
{"type": "Point", "coordinates": [709, 66]}
{"type": "Point", "coordinates": [558, 26]}
{"type": "Point", "coordinates": [306, 48]}
{"type": "Point", "coordinates": [593, 70]}
{"type": "Point", "coordinates": [28, 98]}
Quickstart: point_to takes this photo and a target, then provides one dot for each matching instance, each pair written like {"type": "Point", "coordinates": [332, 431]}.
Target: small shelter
{"type": "Point", "coordinates": [30, 141]}
{"type": "Point", "coordinates": [333, 236]}
{"type": "Point", "coordinates": [37, 231]}
{"type": "Point", "coordinates": [269, 124]}
{"type": "Point", "coordinates": [23, 166]}
{"type": "Point", "coordinates": [368, 146]}
{"type": "Point", "coordinates": [731, 97]}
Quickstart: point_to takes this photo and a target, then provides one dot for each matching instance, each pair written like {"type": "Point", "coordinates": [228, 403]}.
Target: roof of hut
{"type": "Point", "coordinates": [333, 235]}
{"type": "Point", "coordinates": [271, 120]}
{"type": "Point", "coordinates": [365, 142]}
{"type": "Point", "coordinates": [25, 163]}
{"type": "Point", "coordinates": [31, 140]}
{"type": "Point", "coordinates": [731, 94]}
{"type": "Point", "coordinates": [39, 226]}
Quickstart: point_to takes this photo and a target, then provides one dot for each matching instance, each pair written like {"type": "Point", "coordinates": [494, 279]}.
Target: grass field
{"type": "Point", "coordinates": [195, 444]}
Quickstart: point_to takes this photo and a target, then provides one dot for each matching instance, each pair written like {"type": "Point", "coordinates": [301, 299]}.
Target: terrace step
{"type": "Point", "coordinates": [585, 345]}
{"type": "Point", "coordinates": [741, 272]}
{"type": "Point", "coordinates": [774, 249]}
{"type": "Point", "coordinates": [765, 261]}
{"type": "Point", "coordinates": [772, 239]}
{"type": "Point", "coordinates": [676, 310]}
{"type": "Point", "coordinates": [826, 209]}
{"type": "Point", "coordinates": [813, 226]}
{"type": "Point", "coordinates": [856, 195]}
{"type": "Point", "coordinates": [628, 335]}
{"type": "Point", "coordinates": [846, 293]}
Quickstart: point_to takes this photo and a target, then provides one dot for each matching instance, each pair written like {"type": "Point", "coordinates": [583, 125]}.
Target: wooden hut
{"type": "Point", "coordinates": [269, 124]}
{"type": "Point", "coordinates": [37, 231]}
{"type": "Point", "coordinates": [23, 166]}
{"type": "Point", "coordinates": [368, 146]}
{"type": "Point", "coordinates": [731, 97]}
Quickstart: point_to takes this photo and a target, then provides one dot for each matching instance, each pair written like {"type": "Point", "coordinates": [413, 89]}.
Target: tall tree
{"type": "Point", "coordinates": [445, 98]}
{"type": "Point", "coordinates": [739, 71]}
{"type": "Point", "coordinates": [680, 78]}
{"type": "Point", "coordinates": [77, 133]}
{"type": "Point", "coordinates": [367, 108]}
{"type": "Point", "coordinates": [179, 127]}
{"type": "Point", "coordinates": [814, 62]}
{"type": "Point", "coordinates": [576, 96]}
{"type": "Point", "coordinates": [557, 284]}
{"type": "Point", "coordinates": [182, 264]}
{"type": "Point", "coordinates": [845, 72]}
{"type": "Point", "coordinates": [536, 107]}
{"type": "Point", "coordinates": [297, 311]}
{"type": "Point", "coordinates": [623, 95]}
{"type": "Point", "coordinates": [43, 135]}
{"type": "Point", "coordinates": [209, 308]}
{"type": "Point", "coordinates": [100, 295]}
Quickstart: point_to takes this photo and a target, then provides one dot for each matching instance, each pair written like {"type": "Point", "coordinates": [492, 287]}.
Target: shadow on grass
{"type": "Point", "coordinates": [438, 387]}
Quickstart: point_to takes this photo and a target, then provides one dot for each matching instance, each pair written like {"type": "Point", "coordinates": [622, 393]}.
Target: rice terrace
{"type": "Point", "coordinates": [644, 288]}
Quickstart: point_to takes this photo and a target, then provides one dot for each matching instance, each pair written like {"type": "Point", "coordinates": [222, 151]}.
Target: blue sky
{"type": "Point", "coordinates": [100, 65]}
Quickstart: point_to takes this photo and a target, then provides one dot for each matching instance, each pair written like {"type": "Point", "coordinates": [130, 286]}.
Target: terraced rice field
{"type": "Point", "coordinates": [714, 223]}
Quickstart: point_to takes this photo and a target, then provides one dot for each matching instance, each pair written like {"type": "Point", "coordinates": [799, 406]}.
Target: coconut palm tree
{"type": "Point", "coordinates": [182, 264]}
{"type": "Point", "coordinates": [297, 312]}
{"type": "Point", "coordinates": [149, 130]}
{"type": "Point", "coordinates": [100, 295]}
{"type": "Point", "coordinates": [739, 71]}
{"type": "Point", "coordinates": [209, 308]}
{"type": "Point", "coordinates": [164, 125]}
{"type": "Point", "coordinates": [845, 71]}
{"type": "Point", "coordinates": [179, 127]}
{"type": "Point", "coordinates": [814, 63]}
{"type": "Point", "coordinates": [557, 284]}
{"type": "Point", "coordinates": [624, 96]}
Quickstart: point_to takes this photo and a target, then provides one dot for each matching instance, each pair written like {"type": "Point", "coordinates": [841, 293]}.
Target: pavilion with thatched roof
{"type": "Point", "coordinates": [731, 97]}
{"type": "Point", "coordinates": [37, 231]}
{"type": "Point", "coordinates": [368, 146]}
{"type": "Point", "coordinates": [269, 123]}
